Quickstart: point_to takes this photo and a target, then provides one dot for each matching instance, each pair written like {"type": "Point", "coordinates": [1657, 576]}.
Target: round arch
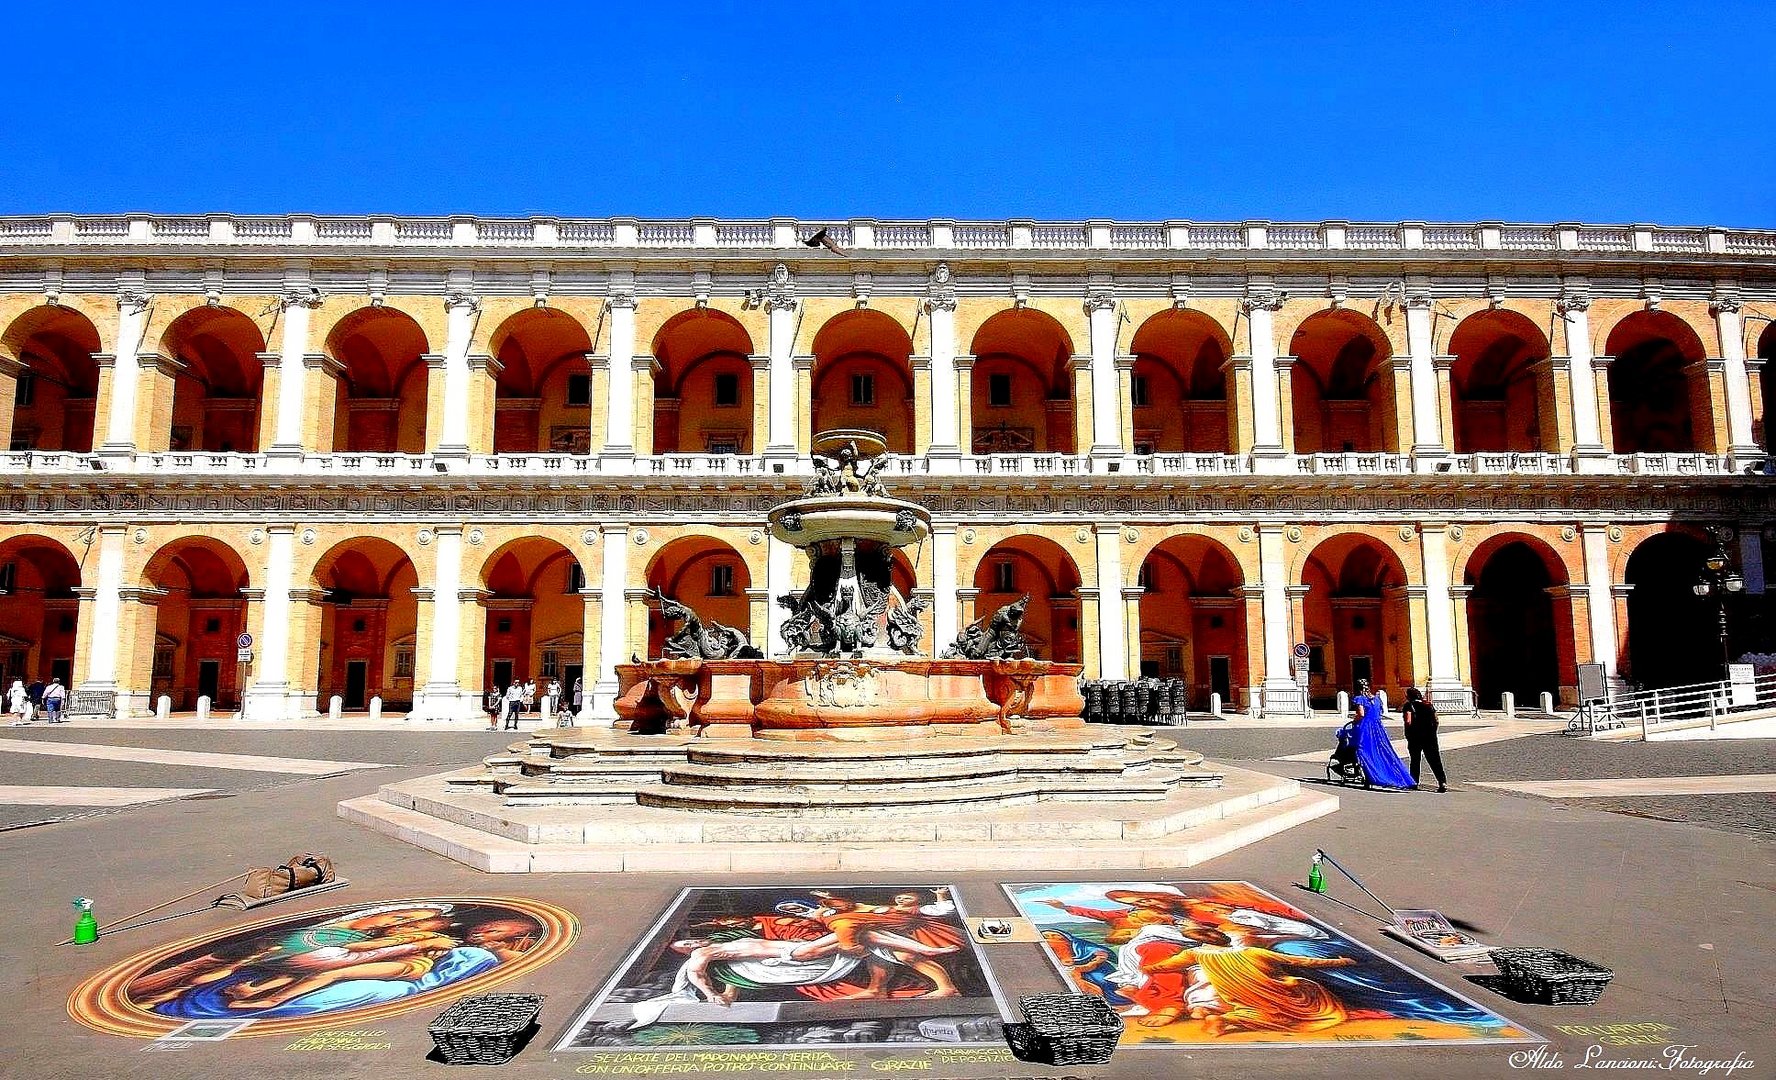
{"type": "Point", "coordinates": [1179, 384]}
{"type": "Point", "coordinates": [219, 381]}
{"type": "Point", "coordinates": [52, 402]}
{"type": "Point", "coordinates": [380, 398]}
{"type": "Point", "coordinates": [1041, 569]}
{"type": "Point", "coordinates": [535, 615]}
{"type": "Point", "coordinates": [1355, 617]}
{"type": "Point", "coordinates": [706, 575]}
{"type": "Point", "coordinates": [703, 394]}
{"type": "Point", "coordinates": [1193, 617]}
{"type": "Point", "coordinates": [1673, 636]}
{"type": "Point", "coordinates": [1656, 403]}
{"type": "Point", "coordinates": [200, 611]}
{"type": "Point", "coordinates": [1503, 395]}
{"type": "Point", "coordinates": [1021, 397]}
{"type": "Point", "coordinates": [863, 377]}
{"type": "Point", "coordinates": [1766, 351]}
{"type": "Point", "coordinates": [1342, 386]}
{"type": "Point", "coordinates": [366, 622]}
{"type": "Point", "coordinates": [1520, 620]}
{"type": "Point", "coordinates": [543, 391]}
{"type": "Point", "coordinates": [39, 610]}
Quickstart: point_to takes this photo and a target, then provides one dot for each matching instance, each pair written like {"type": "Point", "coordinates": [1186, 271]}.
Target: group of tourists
{"type": "Point", "coordinates": [24, 702]}
{"type": "Point", "coordinates": [1364, 741]}
{"type": "Point", "coordinates": [521, 697]}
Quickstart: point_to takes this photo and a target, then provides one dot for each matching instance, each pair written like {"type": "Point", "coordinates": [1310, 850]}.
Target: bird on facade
{"type": "Point", "coordinates": [820, 239]}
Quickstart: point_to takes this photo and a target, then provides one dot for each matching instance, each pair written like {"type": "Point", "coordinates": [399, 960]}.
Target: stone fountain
{"type": "Point", "coordinates": [850, 748]}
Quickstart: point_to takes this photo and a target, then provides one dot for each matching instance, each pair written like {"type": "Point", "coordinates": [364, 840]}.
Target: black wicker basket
{"type": "Point", "coordinates": [1064, 1029]}
{"type": "Point", "coordinates": [486, 1030]}
{"type": "Point", "coordinates": [1550, 977]}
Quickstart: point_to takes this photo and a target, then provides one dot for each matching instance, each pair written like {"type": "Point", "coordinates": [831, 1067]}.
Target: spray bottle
{"type": "Point", "coordinates": [86, 927]}
{"type": "Point", "coordinates": [1316, 881]}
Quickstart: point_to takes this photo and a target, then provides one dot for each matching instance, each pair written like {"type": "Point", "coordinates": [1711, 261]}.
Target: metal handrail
{"type": "Point", "coordinates": [1670, 706]}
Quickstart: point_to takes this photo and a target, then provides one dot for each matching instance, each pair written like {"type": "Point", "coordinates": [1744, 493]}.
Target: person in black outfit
{"type": "Point", "coordinates": [1421, 734]}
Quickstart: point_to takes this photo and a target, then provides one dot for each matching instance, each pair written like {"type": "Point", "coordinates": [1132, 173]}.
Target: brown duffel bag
{"type": "Point", "coordinates": [300, 872]}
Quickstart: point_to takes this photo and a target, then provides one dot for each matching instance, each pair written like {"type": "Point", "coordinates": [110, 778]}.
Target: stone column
{"type": "Point", "coordinates": [779, 568]}
{"type": "Point", "coordinates": [758, 617]}
{"type": "Point", "coordinates": [1427, 416]}
{"type": "Point", "coordinates": [271, 697]}
{"type": "Point", "coordinates": [1100, 309]}
{"type": "Point", "coordinates": [1285, 383]}
{"type": "Point", "coordinates": [619, 431]}
{"type": "Point", "coordinates": [101, 613]}
{"type": "Point", "coordinates": [1740, 442]}
{"type": "Point", "coordinates": [612, 629]}
{"type": "Point", "coordinates": [921, 404]}
{"type": "Point", "coordinates": [1131, 624]}
{"type": "Point", "coordinates": [941, 309]}
{"type": "Point", "coordinates": [1754, 376]}
{"type": "Point", "coordinates": [120, 420]}
{"type": "Point", "coordinates": [138, 613]}
{"type": "Point", "coordinates": [1599, 601]}
{"type": "Point", "coordinates": [1112, 641]}
{"type": "Point", "coordinates": [965, 614]}
{"type": "Point", "coordinates": [1125, 393]}
{"type": "Point", "coordinates": [643, 368]}
{"type": "Point", "coordinates": [780, 307]}
{"type": "Point", "coordinates": [1589, 447]}
{"type": "Point", "coordinates": [1444, 672]}
{"type": "Point", "coordinates": [443, 697]}
{"type": "Point", "coordinates": [1090, 633]}
{"type": "Point", "coordinates": [804, 403]}
{"type": "Point", "coordinates": [761, 401]}
{"type": "Point", "coordinates": [1606, 428]}
{"type": "Point", "coordinates": [484, 373]}
{"type": "Point", "coordinates": [1751, 560]}
{"type": "Point", "coordinates": [1273, 586]}
{"type": "Point", "coordinates": [292, 374]}
{"type": "Point", "coordinates": [591, 645]}
{"type": "Point", "coordinates": [1261, 303]}
{"type": "Point", "coordinates": [946, 612]}
{"type": "Point", "coordinates": [963, 406]}
{"type": "Point", "coordinates": [1458, 596]}
{"type": "Point", "coordinates": [10, 370]}
{"type": "Point", "coordinates": [452, 438]}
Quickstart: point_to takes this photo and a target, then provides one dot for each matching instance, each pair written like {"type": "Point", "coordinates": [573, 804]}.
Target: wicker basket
{"type": "Point", "coordinates": [1065, 1029]}
{"type": "Point", "coordinates": [486, 1030]}
{"type": "Point", "coordinates": [1550, 977]}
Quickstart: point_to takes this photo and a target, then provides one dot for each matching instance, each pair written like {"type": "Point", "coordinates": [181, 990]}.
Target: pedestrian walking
{"type": "Point", "coordinates": [1421, 735]}
{"type": "Point", "coordinates": [491, 703]}
{"type": "Point", "coordinates": [1380, 764]}
{"type": "Point", "coordinates": [530, 695]}
{"type": "Point", "coordinates": [55, 695]}
{"type": "Point", "coordinates": [18, 702]}
{"type": "Point", "coordinates": [514, 703]}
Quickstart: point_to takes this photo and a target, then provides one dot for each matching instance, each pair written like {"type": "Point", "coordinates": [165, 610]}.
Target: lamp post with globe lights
{"type": "Point", "coordinates": [1718, 580]}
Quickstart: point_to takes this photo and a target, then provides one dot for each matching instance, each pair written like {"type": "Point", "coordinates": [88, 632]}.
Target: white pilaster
{"type": "Point", "coordinates": [779, 566]}
{"type": "Point", "coordinates": [613, 632]}
{"type": "Point", "coordinates": [442, 697]}
{"type": "Point", "coordinates": [1600, 602]}
{"type": "Point", "coordinates": [619, 432]}
{"type": "Point", "coordinates": [946, 613]}
{"type": "Point", "coordinates": [298, 310]}
{"type": "Point", "coordinates": [1100, 308]}
{"type": "Point", "coordinates": [1273, 592]}
{"type": "Point", "coordinates": [107, 611]}
{"type": "Point", "coordinates": [270, 698]}
{"type": "Point", "coordinates": [1427, 415]}
{"type": "Point", "coordinates": [1587, 436]}
{"type": "Point", "coordinates": [1433, 546]}
{"type": "Point", "coordinates": [132, 323]}
{"type": "Point", "coordinates": [944, 443]}
{"type": "Point", "coordinates": [460, 312]}
{"type": "Point", "coordinates": [1261, 304]}
{"type": "Point", "coordinates": [780, 308]}
{"type": "Point", "coordinates": [1112, 635]}
{"type": "Point", "coordinates": [1731, 328]}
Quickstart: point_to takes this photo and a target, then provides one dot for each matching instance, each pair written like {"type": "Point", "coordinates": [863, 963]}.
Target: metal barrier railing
{"type": "Point", "coordinates": [1667, 707]}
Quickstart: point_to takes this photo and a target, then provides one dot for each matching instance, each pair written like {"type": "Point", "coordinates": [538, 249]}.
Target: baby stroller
{"type": "Point", "coordinates": [1343, 767]}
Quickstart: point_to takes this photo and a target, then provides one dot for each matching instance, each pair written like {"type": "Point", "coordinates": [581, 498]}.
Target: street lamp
{"type": "Point", "coordinates": [1718, 579]}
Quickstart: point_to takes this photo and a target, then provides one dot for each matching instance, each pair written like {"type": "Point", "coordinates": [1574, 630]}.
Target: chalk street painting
{"type": "Point", "coordinates": [344, 965]}
{"type": "Point", "coordinates": [1217, 963]}
{"type": "Point", "coordinates": [788, 966]}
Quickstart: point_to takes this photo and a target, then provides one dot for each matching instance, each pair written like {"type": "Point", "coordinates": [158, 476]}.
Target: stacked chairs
{"type": "Point", "coordinates": [1137, 701]}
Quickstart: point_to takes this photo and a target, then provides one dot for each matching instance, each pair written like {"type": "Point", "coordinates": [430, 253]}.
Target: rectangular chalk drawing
{"type": "Point", "coordinates": [1220, 963]}
{"type": "Point", "coordinates": [786, 966]}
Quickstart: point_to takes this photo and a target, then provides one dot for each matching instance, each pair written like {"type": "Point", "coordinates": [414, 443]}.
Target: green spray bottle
{"type": "Point", "coordinates": [86, 927]}
{"type": "Point", "coordinates": [1316, 881]}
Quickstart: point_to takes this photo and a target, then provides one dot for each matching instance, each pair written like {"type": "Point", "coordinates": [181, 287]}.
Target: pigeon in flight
{"type": "Point", "coordinates": [820, 239]}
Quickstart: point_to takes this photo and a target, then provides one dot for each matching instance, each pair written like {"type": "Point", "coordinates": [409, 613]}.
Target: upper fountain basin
{"type": "Point", "coordinates": [818, 518]}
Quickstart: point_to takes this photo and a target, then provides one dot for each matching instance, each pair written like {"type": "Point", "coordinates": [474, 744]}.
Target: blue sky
{"type": "Point", "coordinates": [1620, 112]}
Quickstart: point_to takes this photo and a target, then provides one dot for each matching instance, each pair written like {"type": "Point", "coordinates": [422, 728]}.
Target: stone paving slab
{"type": "Point", "coordinates": [1638, 785]}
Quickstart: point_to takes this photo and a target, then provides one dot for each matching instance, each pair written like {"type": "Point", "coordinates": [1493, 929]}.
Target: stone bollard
{"type": "Point", "coordinates": [548, 711]}
{"type": "Point", "coordinates": [163, 709]}
{"type": "Point", "coordinates": [1344, 703]}
{"type": "Point", "coordinates": [203, 708]}
{"type": "Point", "coordinates": [1547, 702]}
{"type": "Point", "coordinates": [1508, 703]}
{"type": "Point", "coordinates": [376, 709]}
{"type": "Point", "coordinates": [335, 706]}
{"type": "Point", "coordinates": [1382, 696]}
{"type": "Point", "coordinates": [1214, 704]}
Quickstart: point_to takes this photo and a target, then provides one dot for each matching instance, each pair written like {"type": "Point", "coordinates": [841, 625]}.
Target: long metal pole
{"type": "Point", "coordinates": [1357, 883]}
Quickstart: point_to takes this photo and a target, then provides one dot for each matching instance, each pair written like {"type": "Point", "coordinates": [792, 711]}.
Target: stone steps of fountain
{"type": "Point", "coordinates": [768, 752]}
{"type": "Point", "coordinates": [903, 799]}
{"type": "Point", "coordinates": [910, 774]}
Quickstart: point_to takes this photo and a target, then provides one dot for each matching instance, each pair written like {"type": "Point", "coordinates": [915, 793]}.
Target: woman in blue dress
{"type": "Point", "coordinates": [1383, 767]}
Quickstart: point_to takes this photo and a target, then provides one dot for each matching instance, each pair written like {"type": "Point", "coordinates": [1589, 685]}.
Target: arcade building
{"type": "Point", "coordinates": [406, 459]}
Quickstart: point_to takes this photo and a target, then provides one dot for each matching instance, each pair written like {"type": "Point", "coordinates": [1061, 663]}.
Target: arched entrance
{"type": "Point", "coordinates": [1343, 387]}
{"type": "Point", "coordinates": [1766, 352]}
{"type": "Point", "coordinates": [39, 611]}
{"type": "Point", "coordinates": [1656, 402]}
{"type": "Point", "coordinates": [1673, 634]}
{"type": "Point", "coordinates": [198, 616]}
{"type": "Point", "coordinates": [863, 378]}
{"type": "Point", "coordinates": [535, 615]}
{"type": "Point", "coordinates": [1041, 569]}
{"type": "Point", "coordinates": [1515, 638]}
{"type": "Point", "coordinates": [216, 388]}
{"type": "Point", "coordinates": [380, 403]}
{"type": "Point", "coordinates": [543, 393]}
{"type": "Point", "coordinates": [57, 380]}
{"type": "Point", "coordinates": [1356, 618]}
{"type": "Point", "coordinates": [1179, 385]}
{"type": "Point", "coordinates": [707, 576]}
{"type": "Point", "coordinates": [1503, 393]}
{"type": "Point", "coordinates": [703, 387]}
{"type": "Point", "coordinates": [369, 622]}
{"type": "Point", "coordinates": [1021, 400]}
{"type": "Point", "coordinates": [1193, 621]}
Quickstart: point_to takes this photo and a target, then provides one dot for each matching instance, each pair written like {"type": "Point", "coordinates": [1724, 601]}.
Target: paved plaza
{"type": "Point", "coordinates": [1675, 892]}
